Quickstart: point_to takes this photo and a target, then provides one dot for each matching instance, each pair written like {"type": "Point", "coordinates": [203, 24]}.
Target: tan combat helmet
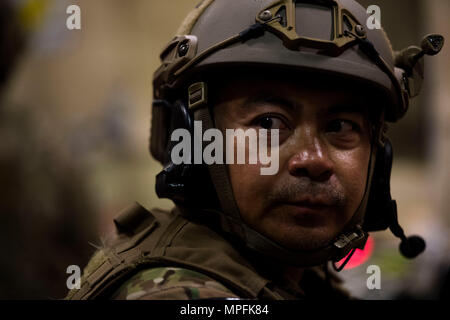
{"type": "Point", "coordinates": [327, 37]}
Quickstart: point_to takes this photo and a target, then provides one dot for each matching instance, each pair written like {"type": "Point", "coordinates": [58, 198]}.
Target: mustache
{"type": "Point", "coordinates": [306, 190]}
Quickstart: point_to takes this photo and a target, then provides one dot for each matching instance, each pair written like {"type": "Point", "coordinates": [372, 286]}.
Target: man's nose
{"type": "Point", "coordinates": [310, 157]}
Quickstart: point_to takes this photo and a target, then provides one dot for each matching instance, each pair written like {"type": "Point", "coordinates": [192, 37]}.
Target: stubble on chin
{"type": "Point", "coordinates": [295, 236]}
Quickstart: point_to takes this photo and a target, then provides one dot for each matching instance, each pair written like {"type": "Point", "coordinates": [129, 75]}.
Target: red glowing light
{"type": "Point", "coordinates": [360, 256]}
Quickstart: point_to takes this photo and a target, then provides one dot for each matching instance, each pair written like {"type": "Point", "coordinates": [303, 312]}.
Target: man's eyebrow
{"type": "Point", "coordinates": [265, 99]}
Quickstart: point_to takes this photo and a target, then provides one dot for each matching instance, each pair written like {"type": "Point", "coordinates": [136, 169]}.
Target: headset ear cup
{"type": "Point", "coordinates": [160, 124]}
{"type": "Point", "coordinates": [173, 181]}
{"type": "Point", "coordinates": [186, 183]}
{"type": "Point", "coordinates": [380, 204]}
{"type": "Point", "coordinates": [180, 119]}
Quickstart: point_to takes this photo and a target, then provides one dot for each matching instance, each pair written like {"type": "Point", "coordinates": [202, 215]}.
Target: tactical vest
{"type": "Point", "coordinates": [167, 239]}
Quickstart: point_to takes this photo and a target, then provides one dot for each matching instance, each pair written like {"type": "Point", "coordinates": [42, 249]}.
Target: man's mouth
{"type": "Point", "coordinates": [318, 203]}
{"type": "Point", "coordinates": [308, 208]}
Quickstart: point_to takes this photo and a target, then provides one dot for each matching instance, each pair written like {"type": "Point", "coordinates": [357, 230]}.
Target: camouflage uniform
{"type": "Point", "coordinates": [171, 283]}
{"type": "Point", "coordinates": [183, 284]}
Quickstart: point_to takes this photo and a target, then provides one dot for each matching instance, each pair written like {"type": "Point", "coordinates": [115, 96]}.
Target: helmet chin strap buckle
{"type": "Point", "coordinates": [347, 243]}
{"type": "Point", "coordinates": [356, 238]}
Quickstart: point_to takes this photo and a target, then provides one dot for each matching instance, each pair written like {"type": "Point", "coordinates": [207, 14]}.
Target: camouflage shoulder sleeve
{"type": "Point", "coordinates": [171, 284]}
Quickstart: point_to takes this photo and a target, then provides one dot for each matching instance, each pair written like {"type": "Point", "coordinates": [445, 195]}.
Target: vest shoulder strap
{"type": "Point", "coordinates": [116, 257]}
{"type": "Point", "coordinates": [158, 239]}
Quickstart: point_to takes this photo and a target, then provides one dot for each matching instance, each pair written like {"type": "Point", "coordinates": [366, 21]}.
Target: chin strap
{"type": "Point", "coordinates": [335, 251]}
{"type": "Point", "coordinates": [342, 266]}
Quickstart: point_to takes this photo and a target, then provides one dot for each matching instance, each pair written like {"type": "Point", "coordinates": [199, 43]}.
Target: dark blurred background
{"type": "Point", "coordinates": [74, 129]}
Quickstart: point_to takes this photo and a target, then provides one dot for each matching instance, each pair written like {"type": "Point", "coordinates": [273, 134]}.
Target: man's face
{"type": "Point", "coordinates": [324, 152]}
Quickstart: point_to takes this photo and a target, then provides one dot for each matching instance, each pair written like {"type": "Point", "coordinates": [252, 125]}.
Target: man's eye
{"type": "Point", "coordinates": [270, 123]}
{"type": "Point", "coordinates": [342, 127]}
